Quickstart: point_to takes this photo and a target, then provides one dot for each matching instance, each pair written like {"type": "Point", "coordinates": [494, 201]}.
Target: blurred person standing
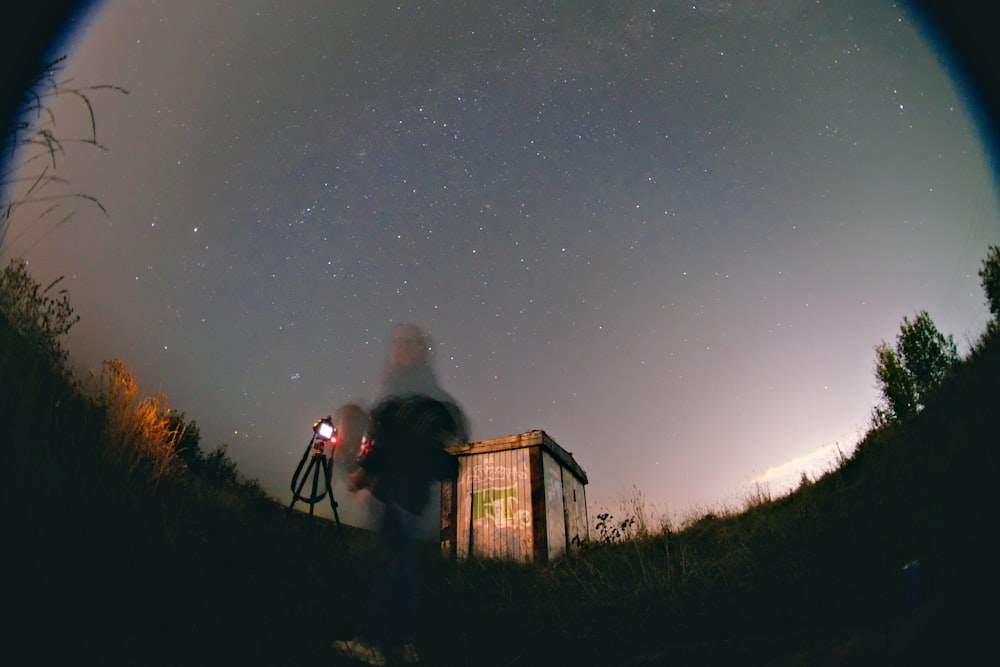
{"type": "Point", "coordinates": [400, 458]}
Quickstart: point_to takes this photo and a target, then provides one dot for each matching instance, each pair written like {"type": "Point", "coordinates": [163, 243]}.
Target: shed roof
{"type": "Point", "coordinates": [536, 438]}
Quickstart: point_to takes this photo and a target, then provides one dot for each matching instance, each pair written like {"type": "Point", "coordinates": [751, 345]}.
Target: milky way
{"type": "Point", "coordinates": [668, 234]}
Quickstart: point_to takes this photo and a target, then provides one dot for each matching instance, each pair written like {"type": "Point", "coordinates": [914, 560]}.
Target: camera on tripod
{"type": "Point", "coordinates": [319, 456]}
{"type": "Point", "coordinates": [324, 433]}
{"type": "Point", "coordinates": [316, 466]}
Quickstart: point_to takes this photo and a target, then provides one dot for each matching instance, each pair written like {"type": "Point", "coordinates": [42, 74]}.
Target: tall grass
{"type": "Point", "coordinates": [36, 143]}
{"type": "Point", "coordinates": [138, 432]}
{"type": "Point", "coordinates": [98, 441]}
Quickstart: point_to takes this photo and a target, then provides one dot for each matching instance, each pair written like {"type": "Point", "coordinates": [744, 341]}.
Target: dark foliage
{"type": "Point", "coordinates": [909, 374]}
{"type": "Point", "coordinates": [989, 275]}
{"type": "Point", "coordinates": [883, 561]}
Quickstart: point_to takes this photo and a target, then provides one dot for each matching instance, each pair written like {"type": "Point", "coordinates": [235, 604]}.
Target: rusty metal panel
{"type": "Point", "coordinates": [555, 519]}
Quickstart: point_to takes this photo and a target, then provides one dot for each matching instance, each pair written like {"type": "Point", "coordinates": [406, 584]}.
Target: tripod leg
{"type": "Point", "coordinates": [327, 473]}
{"type": "Point", "coordinates": [315, 465]}
{"type": "Point", "coordinates": [297, 493]}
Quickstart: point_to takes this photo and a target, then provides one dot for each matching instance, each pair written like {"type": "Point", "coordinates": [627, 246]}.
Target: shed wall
{"type": "Point", "coordinates": [494, 506]}
{"type": "Point", "coordinates": [575, 502]}
{"type": "Point", "coordinates": [519, 497]}
{"type": "Point", "coordinates": [555, 521]}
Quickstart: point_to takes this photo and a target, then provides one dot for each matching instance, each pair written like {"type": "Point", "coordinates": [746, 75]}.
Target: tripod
{"type": "Point", "coordinates": [324, 433]}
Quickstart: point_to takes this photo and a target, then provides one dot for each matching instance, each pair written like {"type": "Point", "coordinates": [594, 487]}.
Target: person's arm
{"type": "Point", "coordinates": [360, 479]}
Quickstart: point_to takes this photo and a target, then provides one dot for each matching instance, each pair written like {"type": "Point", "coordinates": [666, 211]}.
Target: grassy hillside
{"type": "Point", "coordinates": [120, 559]}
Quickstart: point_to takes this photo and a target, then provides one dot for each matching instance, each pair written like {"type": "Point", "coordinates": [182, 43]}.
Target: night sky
{"type": "Point", "coordinates": [669, 234]}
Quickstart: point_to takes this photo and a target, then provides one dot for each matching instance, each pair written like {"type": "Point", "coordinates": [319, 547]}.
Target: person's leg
{"type": "Point", "coordinates": [366, 646]}
{"type": "Point", "coordinates": [407, 577]}
{"type": "Point", "coordinates": [378, 606]}
{"type": "Point", "coordinates": [405, 584]}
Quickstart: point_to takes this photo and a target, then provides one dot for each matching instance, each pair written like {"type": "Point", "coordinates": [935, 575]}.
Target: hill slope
{"type": "Point", "coordinates": [885, 561]}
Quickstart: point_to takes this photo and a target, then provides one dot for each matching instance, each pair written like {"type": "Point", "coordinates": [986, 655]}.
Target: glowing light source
{"type": "Point", "coordinates": [325, 430]}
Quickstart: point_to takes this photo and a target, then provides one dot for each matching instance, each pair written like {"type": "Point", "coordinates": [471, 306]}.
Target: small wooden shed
{"type": "Point", "coordinates": [520, 497]}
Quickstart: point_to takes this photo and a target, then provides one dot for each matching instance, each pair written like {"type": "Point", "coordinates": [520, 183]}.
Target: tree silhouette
{"type": "Point", "coordinates": [989, 274]}
{"type": "Point", "coordinates": [188, 443]}
{"type": "Point", "coordinates": [896, 385]}
{"type": "Point", "coordinates": [909, 374]}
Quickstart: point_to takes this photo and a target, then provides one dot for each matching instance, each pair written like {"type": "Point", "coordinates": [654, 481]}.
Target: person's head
{"type": "Point", "coordinates": [409, 346]}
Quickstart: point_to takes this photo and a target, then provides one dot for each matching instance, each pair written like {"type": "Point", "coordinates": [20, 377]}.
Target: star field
{"type": "Point", "coordinates": [670, 234]}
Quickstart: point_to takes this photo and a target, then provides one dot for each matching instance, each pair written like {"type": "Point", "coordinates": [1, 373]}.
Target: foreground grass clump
{"type": "Point", "coordinates": [141, 550]}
